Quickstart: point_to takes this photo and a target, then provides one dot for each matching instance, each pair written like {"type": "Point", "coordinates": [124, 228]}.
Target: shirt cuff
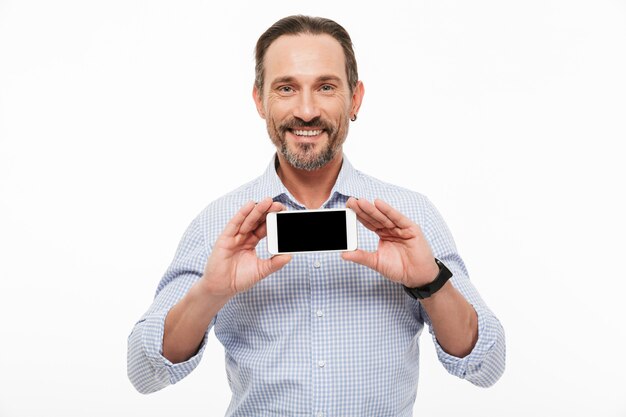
{"type": "Point", "coordinates": [152, 342]}
{"type": "Point", "coordinates": [471, 364]}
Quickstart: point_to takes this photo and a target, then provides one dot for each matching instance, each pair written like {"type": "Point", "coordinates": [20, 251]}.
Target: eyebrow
{"type": "Point", "coordinates": [280, 80]}
{"type": "Point", "coordinates": [329, 78]}
{"type": "Point", "coordinates": [322, 78]}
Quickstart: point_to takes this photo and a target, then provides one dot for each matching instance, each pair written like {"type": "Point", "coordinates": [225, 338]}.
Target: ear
{"type": "Point", "coordinates": [357, 98]}
{"type": "Point", "coordinates": [258, 101]}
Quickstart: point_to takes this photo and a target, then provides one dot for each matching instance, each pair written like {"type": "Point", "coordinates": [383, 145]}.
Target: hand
{"type": "Point", "coordinates": [403, 254]}
{"type": "Point", "coordinates": [233, 265]}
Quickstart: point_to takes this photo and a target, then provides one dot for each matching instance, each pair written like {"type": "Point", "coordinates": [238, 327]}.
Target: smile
{"type": "Point", "coordinates": [306, 132]}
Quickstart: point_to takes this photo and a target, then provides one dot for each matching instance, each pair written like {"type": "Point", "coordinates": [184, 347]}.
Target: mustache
{"type": "Point", "coordinates": [296, 123]}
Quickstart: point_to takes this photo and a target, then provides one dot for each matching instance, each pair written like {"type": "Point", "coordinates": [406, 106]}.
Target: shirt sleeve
{"type": "Point", "coordinates": [485, 364]}
{"type": "Point", "coordinates": [148, 370]}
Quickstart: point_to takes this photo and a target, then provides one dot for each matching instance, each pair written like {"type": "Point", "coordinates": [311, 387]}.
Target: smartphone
{"type": "Point", "coordinates": [305, 231]}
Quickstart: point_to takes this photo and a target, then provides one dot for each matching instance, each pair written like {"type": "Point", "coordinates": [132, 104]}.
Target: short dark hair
{"type": "Point", "coordinates": [299, 24]}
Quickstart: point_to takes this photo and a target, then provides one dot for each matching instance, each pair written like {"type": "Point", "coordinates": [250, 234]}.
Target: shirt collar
{"type": "Point", "coordinates": [349, 183]}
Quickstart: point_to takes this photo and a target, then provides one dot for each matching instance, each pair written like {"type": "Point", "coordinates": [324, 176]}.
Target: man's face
{"type": "Point", "coordinates": [306, 99]}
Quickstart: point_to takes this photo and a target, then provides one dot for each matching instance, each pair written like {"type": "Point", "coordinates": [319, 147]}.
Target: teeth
{"type": "Point", "coordinates": [307, 132]}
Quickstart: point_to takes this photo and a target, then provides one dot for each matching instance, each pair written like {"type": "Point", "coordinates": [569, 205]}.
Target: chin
{"type": "Point", "coordinates": [309, 161]}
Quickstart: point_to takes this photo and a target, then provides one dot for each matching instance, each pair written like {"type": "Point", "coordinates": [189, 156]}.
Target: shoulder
{"type": "Point", "coordinates": [411, 203]}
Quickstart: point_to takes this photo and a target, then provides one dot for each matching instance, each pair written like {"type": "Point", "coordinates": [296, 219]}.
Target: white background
{"type": "Point", "coordinates": [120, 120]}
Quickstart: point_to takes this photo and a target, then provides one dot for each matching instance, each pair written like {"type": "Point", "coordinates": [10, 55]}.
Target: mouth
{"type": "Point", "coordinates": [301, 135]}
{"type": "Point", "coordinates": [306, 133]}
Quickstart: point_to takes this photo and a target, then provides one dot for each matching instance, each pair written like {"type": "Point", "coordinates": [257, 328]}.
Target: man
{"type": "Point", "coordinates": [323, 334]}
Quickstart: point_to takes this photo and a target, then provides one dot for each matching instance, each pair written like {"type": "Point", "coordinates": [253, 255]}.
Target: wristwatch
{"type": "Point", "coordinates": [427, 290]}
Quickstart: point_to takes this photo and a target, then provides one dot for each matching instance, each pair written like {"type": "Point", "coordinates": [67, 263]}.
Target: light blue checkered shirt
{"type": "Point", "coordinates": [322, 336]}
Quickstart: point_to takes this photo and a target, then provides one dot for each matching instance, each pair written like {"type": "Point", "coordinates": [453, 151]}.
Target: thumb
{"type": "Point", "coordinates": [362, 257]}
{"type": "Point", "coordinates": [273, 264]}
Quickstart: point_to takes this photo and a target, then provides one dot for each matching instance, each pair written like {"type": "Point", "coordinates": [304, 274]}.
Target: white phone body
{"type": "Point", "coordinates": [309, 231]}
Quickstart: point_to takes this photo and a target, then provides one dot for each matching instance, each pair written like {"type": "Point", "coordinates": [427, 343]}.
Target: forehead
{"type": "Point", "coordinates": [304, 56]}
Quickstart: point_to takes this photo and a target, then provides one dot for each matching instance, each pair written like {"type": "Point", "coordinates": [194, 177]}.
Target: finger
{"type": "Point", "coordinates": [273, 264]}
{"type": "Point", "coordinates": [232, 227]}
{"type": "Point", "coordinates": [361, 257]}
{"type": "Point", "coordinates": [367, 212]}
{"type": "Point", "coordinates": [399, 219]}
{"type": "Point", "coordinates": [376, 215]}
{"type": "Point", "coordinates": [366, 218]}
{"type": "Point", "coordinates": [256, 215]}
{"type": "Point", "coordinates": [276, 206]}
{"type": "Point", "coordinates": [261, 231]}
{"type": "Point", "coordinates": [363, 217]}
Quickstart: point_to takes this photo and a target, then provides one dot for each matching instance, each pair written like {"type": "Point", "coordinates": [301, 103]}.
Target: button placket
{"type": "Point", "coordinates": [319, 334]}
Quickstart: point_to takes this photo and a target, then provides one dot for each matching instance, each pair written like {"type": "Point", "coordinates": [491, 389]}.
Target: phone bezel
{"type": "Point", "coordinates": [272, 231]}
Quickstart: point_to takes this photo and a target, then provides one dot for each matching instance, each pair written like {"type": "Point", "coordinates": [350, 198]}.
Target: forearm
{"type": "Point", "coordinates": [453, 319]}
{"type": "Point", "coordinates": [187, 321]}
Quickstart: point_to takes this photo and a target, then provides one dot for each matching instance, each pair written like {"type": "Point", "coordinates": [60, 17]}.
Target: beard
{"type": "Point", "coordinates": [304, 155]}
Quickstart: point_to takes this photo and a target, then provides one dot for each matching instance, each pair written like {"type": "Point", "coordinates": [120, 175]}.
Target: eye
{"type": "Point", "coordinates": [327, 88]}
{"type": "Point", "coordinates": [285, 89]}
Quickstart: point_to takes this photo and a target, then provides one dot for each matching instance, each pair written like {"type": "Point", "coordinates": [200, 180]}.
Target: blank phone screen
{"type": "Point", "coordinates": [311, 231]}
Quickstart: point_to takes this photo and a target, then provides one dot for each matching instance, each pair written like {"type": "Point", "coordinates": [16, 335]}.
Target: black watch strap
{"type": "Point", "coordinates": [427, 290]}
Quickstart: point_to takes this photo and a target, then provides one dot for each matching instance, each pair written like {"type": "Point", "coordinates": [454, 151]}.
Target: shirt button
{"type": "Point", "coordinates": [319, 313]}
{"type": "Point", "coordinates": [320, 414]}
{"type": "Point", "coordinates": [321, 364]}
{"type": "Point", "coordinates": [317, 264]}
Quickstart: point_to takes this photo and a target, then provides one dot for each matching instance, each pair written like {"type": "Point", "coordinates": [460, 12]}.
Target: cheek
{"type": "Point", "coordinates": [340, 118]}
{"type": "Point", "coordinates": [277, 113]}
{"type": "Point", "coordinates": [277, 103]}
{"type": "Point", "coordinates": [339, 106]}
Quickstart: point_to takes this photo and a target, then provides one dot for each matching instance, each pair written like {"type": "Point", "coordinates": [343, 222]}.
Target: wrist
{"type": "Point", "coordinates": [206, 292]}
{"type": "Point", "coordinates": [443, 292]}
{"type": "Point", "coordinates": [212, 284]}
{"type": "Point", "coordinates": [432, 274]}
{"type": "Point", "coordinates": [427, 290]}
{"type": "Point", "coordinates": [427, 275]}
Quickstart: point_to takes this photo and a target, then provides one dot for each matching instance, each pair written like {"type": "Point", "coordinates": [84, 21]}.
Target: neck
{"type": "Point", "coordinates": [310, 188]}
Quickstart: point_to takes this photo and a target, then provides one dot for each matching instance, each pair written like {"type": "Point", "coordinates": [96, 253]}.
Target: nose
{"type": "Point", "coordinates": [307, 108]}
